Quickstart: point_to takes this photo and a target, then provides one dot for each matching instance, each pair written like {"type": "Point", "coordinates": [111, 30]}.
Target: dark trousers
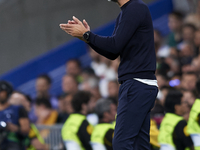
{"type": "Point", "coordinates": [136, 100]}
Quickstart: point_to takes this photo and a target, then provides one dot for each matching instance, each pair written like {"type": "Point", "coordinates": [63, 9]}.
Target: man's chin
{"type": "Point", "coordinates": [113, 1]}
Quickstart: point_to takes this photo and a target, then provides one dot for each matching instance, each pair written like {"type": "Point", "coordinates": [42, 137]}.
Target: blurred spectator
{"type": "Point", "coordinates": [162, 80]}
{"type": "Point", "coordinates": [188, 31]}
{"type": "Point", "coordinates": [113, 89]}
{"type": "Point", "coordinates": [194, 119]}
{"type": "Point", "coordinates": [190, 97]}
{"type": "Point", "coordinates": [88, 73]}
{"type": "Point", "coordinates": [172, 130]}
{"type": "Point", "coordinates": [194, 18]}
{"type": "Point", "coordinates": [44, 112]}
{"type": "Point", "coordinates": [13, 120]}
{"type": "Point", "coordinates": [175, 25]}
{"type": "Point", "coordinates": [161, 49]}
{"type": "Point", "coordinates": [189, 80]}
{"type": "Point", "coordinates": [63, 115]}
{"type": "Point", "coordinates": [43, 85]}
{"type": "Point", "coordinates": [186, 54]}
{"type": "Point", "coordinates": [76, 131]}
{"type": "Point", "coordinates": [69, 84]}
{"type": "Point", "coordinates": [92, 85]}
{"type": "Point", "coordinates": [102, 134]}
{"type": "Point", "coordinates": [73, 67]}
{"type": "Point", "coordinates": [36, 141]}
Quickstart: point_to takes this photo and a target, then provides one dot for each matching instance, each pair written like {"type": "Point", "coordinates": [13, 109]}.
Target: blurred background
{"type": "Point", "coordinates": [40, 60]}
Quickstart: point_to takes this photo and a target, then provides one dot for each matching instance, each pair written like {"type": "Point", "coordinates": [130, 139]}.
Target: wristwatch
{"type": "Point", "coordinates": [86, 35]}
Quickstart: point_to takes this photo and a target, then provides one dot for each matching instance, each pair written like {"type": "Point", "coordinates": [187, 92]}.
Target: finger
{"type": "Point", "coordinates": [66, 25]}
{"type": "Point", "coordinates": [76, 20]}
{"type": "Point", "coordinates": [85, 23]}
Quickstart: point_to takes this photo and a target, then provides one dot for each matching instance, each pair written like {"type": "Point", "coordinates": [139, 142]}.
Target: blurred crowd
{"type": "Point", "coordinates": [178, 68]}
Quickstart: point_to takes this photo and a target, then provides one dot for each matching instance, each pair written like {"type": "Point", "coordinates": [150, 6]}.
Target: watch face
{"type": "Point", "coordinates": [86, 35]}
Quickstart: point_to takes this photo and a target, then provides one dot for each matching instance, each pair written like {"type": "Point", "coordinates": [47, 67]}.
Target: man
{"type": "Point", "coordinates": [43, 85]}
{"type": "Point", "coordinates": [194, 120]}
{"type": "Point", "coordinates": [73, 67]}
{"type": "Point", "coordinates": [173, 130]}
{"type": "Point", "coordinates": [101, 138]}
{"type": "Point", "coordinates": [36, 141]}
{"type": "Point", "coordinates": [16, 119]}
{"type": "Point", "coordinates": [69, 84]}
{"type": "Point", "coordinates": [76, 130]}
{"type": "Point", "coordinates": [133, 41]}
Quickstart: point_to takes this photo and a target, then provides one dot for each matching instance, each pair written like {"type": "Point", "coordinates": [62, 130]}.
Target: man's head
{"type": "Point", "coordinates": [175, 103]}
{"type": "Point", "coordinates": [5, 91]}
{"type": "Point", "coordinates": [106, 110]}
{"type": "Point", "coordinates": [18, 98]}
{"type": "Point", "coordinates": [175, 21]}
{"type": "Point", "coordinates": [80, 102]}
{"type": "Point", "coordinates": [188, 81]}
{"type": "Point", "coordinates": [73, 67]}
{"type": "Point", "coordinates": [43, 84]}
{"type": "Point", "coordinates": [69, 84]}
{"type": "Point", "coordinates": [42, 107]}
{"type": "Point", "coordinates": [188, 32]}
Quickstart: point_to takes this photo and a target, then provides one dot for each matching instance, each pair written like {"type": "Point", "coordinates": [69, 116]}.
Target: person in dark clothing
{"type": "Point", "coordinates": [76, 131]}
{"type": "Point", "coordinates": [173, 130]}
{"type": "Point", "coordinates": [133, 41]}
{"type": "Point", "coordinates": [102, 135]}
{"type": "Point", "coordinates": [14, 119]}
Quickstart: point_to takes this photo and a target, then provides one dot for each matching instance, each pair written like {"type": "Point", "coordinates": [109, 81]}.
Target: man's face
{"type": "Point", "coordinates": [3, 97]}
{"type": "Point", "coordinates": [42, 86]}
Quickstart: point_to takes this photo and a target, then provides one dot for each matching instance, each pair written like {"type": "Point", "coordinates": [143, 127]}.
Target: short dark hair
{"type": "Point", "coordinates": [46, 77]}
{"type": "Point", "coordinates": [43, 101]}
{"type": "Point", "coordinates": [79, 98]}
{"type": "Point", "coordinates": [189, 25]}
{"type": "Point", "coordinates": [78, 63]}
{"type": "Point", "coordinates": [173, 98]}
{"type": "Point", "coordinates": [177, 14]}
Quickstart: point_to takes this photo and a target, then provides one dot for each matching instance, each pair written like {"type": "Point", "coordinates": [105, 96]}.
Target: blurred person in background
{"type": "Point", "coordinates": [173, 129]}
{"type": "Point", "coordinates": [161, 49]}
{"type": "Point", "coordinates": [194, 18]}
{"type": "Point", "coordinates": [67, 108]}
{"type": "Point", "coordinates": [188, 31]}
{"type": "Point", "coordinates": [45, 113]}
{"type": "Point", "coordinates": [92, 85]}
{"type": "Point", "coordinates": [102, 135]}
{"type": "Point", "coordinates": [88, 73]}
{"type": "Point", "coordinates": [43, 85]}
{"type": "Point", "coordinates": [73, 67]}
{"type": "Point", "coordinates": [36, 140]}
{"type": "Point", "coordinates": [76, 131]}
{"type": "Point", "coordinates": [186, 54]}
{"type": "Point", "coordinates": [195, 64]}
{"type": "Point", "coordinates": [69, 84]}
{"type": "Point", "coordinates": [175, 25]}
{"type": "Point", "coordinates": [113, 89]}
{"type": "Point", "coordinates": [162, 80]}
{"type": "Point", "coordinates": [188, 81]}
{"type": "Point", "coordinates": [14, 121]}
{"type": "Point", "coordinates": [194, 120]}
